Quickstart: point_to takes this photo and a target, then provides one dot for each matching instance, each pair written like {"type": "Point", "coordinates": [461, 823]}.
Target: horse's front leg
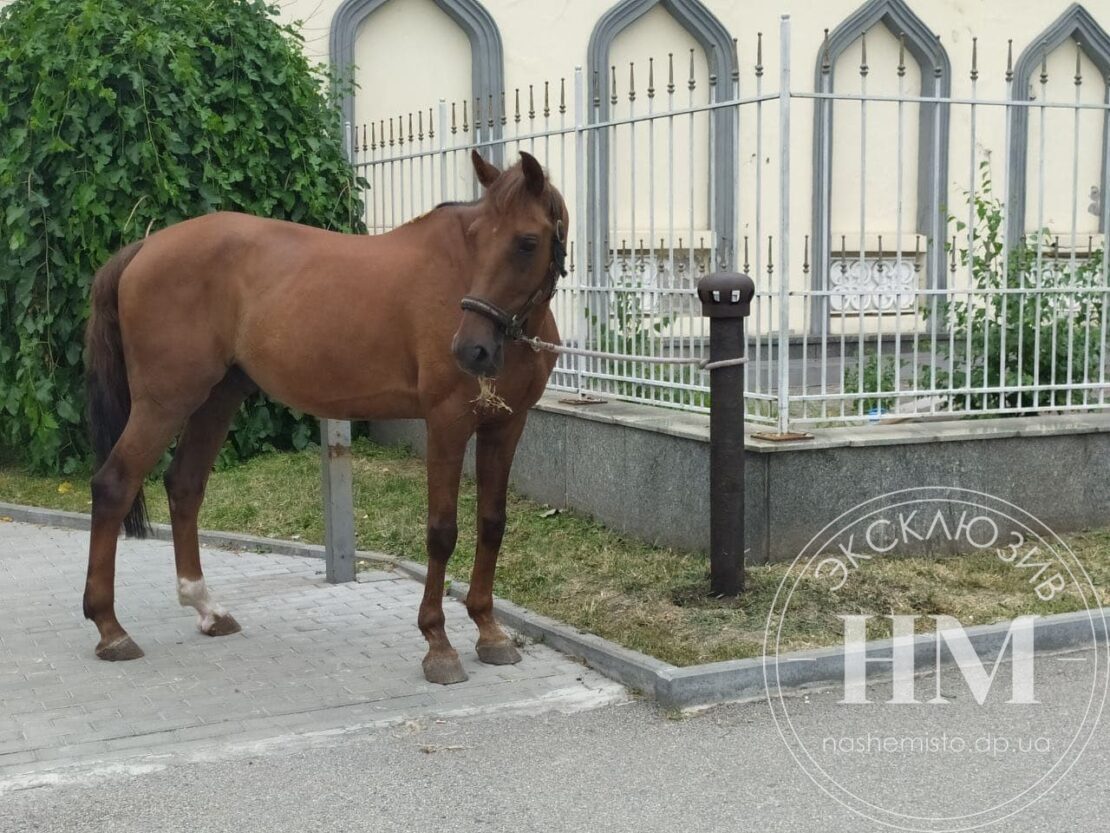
{"type": "Point", "coordinates": [496, 447]}
{"type": "Point", "coordinates": [446, 447]}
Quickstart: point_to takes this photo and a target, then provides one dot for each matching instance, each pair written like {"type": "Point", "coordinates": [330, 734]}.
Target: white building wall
{"type": "Point", "coordinates": [411, 54]}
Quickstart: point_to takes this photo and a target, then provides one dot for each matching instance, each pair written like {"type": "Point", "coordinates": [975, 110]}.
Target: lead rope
{"type": "Point", "coordinates": [703, 364]}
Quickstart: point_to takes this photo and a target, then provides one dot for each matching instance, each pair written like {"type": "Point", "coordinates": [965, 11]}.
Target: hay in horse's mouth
{"type": "Point", "coordinates": [487, 398]}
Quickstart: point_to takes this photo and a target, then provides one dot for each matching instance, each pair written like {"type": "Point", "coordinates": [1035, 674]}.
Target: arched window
{"type": "Point", "coordinates": [1046, 67]}
{"type": "Point", "coordinates": [469, 18]}
{"type": "Point", "coordinates": [895, 36]}
{"type": "Point", "coordinates": [626, 33]}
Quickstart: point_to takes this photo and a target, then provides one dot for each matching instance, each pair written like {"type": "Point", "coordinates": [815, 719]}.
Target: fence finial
{"type": "Point", "coordinates": [364, 137]}
{"type": "Point", "coordinates": [651, 78]}
{"type": "Point", "coordinates": [532, 101]}
{"type": "Point", "coordinates": [1044, 63]}
{"type": "Point", "coordinates": [758, 54]}
{"type": "Point", "coordinates": [631, 81]}
{"type": "Point", "coordinates": [503, 112]}
{"type": "Point", "coordinates": [420, 124]}
{"type": "Point", "coordinates": [826, 58]}
{"type": "Point", "coordinates": [670, 72]}
{"type": "Point", "coordinates": [863, 68]}
{"type": "Point", "coordinates": [410, 128]}
{"type": "Point", "coordinates": [431, 126]}
{"type": "Point", "coordinates": [546, 99]}
{"type": "Point", "coordinates": [805, 256]}
{"type": "Point", "coordinates": [562, 95]}
{"type": "Point", "coordinates": [975, 59]}
{"type": "Point", "coordinates": [1078, 63]}
{"type": "Point", "coordinates": [691, 83]}
{"type": "Point", "coordinates": [597, 90]}
{"type": "Point", "coordinates": [516, 110]}
{"type": "Point", "coordinates": [1009, 60]}
{"type": "Point", "coordinates": [901, 54]}
{"type": "Point", "coordinates": [454, 122]}
{"type": "Point", "coordinates": [465, 124]}
{"type": "Point", "coordinates": [492, 115]}
{"type": "Point", "coordinates": [770, 255]}
{"type": "Point", "coordinates": [613, 85]}
{"type": "Point", "coordinates": [712, 66]}
{"type": "Point", "coordinates": [735, 62]}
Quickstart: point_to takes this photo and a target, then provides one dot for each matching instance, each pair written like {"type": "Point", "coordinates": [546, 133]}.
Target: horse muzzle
{"type": "Point", "coordinates": [480, 357]}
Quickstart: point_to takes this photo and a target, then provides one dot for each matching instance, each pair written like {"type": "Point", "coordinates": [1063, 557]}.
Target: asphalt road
{"type": "Point", "coordinates": [627, 767]}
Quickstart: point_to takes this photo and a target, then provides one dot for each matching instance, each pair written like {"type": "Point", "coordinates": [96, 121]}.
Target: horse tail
{"type": "Point", "coordinates": [107, 390]}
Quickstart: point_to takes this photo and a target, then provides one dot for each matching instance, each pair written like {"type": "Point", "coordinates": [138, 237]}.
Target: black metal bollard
{"type": "Point", "coordinates": [726, 299]}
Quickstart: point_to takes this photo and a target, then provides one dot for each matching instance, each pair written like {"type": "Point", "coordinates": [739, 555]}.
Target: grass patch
{"type": "Point", "coordinates": [572, 568]}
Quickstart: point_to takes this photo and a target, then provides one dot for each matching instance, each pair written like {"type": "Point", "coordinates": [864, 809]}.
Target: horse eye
{"type": "Point", "coordinates": [527, 244]}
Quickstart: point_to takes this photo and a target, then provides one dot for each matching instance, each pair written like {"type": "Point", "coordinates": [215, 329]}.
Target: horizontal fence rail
{"type": "Point", "coordinates": [943, 255]}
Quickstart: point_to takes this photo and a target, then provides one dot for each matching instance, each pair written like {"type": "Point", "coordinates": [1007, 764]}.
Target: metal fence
{"type": "Point", "coordinates": [921, 268]}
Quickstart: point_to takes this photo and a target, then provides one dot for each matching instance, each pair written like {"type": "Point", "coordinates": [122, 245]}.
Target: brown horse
{"type": "Point", "coordinates": [188, 322]}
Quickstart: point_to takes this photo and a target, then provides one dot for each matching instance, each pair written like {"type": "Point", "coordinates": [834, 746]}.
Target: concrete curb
{"type": "Point", "coordinates": [162, 532]}
{"type": "Point", "coordinates": [670, 685]}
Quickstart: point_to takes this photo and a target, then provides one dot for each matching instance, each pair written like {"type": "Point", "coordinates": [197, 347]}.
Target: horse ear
{"type": "Point", "coordinates": [487, 172]}
{"type": "Point", "coordinates": [534, 177]}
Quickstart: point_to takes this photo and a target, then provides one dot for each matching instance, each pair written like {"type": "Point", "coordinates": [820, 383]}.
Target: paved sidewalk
{"type": "Point", "coordinates": [312, 657]}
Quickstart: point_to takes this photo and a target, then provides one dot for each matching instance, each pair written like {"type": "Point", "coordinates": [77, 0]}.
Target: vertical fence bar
{"type": "Point", "coordinates": [1072, 300]}
{"type": "Point", "coordinates": [971, 215]}
{"type": "Point", "coordinates": [861, 298]}
{"type": "Point", "coordinates": [442, 152]}
{"type": "Point", "coordinates": [898, 207]}
{"type": "Point", "coordinates": [822, 256]}
{"type": "Point", "coordinates": [582, 220]}
{"type": "Point", "coordinates": [1104, 226]}
{"type": "Point", "coordinates": [1006, 277]}
{"type": "Point", "coordinates": [784, 225]}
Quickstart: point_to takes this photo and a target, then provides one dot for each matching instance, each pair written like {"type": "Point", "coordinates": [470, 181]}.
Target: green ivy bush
{"type": "Point", "coordinates": [122, 116]}
{"type": "Point", "coordinates": [1047, 330]}
{"type": "Point", "coordinates": [1034, 318]}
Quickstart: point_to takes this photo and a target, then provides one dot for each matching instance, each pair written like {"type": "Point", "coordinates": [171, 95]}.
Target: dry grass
{"type": "Point", "coordinates": [568, 566]}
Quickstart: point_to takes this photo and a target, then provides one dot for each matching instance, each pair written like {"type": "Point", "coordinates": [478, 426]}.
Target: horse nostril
{"type": "Point", "coordinates": [479, 354]}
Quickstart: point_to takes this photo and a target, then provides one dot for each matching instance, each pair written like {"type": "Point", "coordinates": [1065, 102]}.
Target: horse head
{"type": "Point", "coordinates": [518, 239]}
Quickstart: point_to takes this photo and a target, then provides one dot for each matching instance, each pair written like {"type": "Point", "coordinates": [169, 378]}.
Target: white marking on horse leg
{"type": "Point", "coordinates": [195, 594]}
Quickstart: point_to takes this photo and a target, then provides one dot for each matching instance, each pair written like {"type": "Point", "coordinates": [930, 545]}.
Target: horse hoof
{"type": "Point", "coordinates": [444, 669]}
{"type": "Point", "coordinates": [223, 625]}
{"type": "Point", "coordinates": [119, 650]}
{"type": "Point", "coordinates": [498, 653]}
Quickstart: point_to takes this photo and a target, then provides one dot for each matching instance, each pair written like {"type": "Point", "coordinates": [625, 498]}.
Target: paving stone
{"type": "Point", "coordinates": [311, 657]}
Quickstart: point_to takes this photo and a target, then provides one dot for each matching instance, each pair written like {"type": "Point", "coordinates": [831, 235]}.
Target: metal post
{"type": "Point", "coordinates": [443, 196]}
{"type": "Point", "coordinates": [726, 299]}
{"type": "Point", "coordinates": [784, 226]}
{"type": "Point", "coordinates": [336, 479]}
{"type": "Point", "coordinates": [581, 218]}
{"type": "Point", "coordinates": [339, 511]}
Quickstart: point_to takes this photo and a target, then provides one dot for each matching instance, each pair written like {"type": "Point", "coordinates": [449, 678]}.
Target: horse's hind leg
{"type": "Point", "coordinates": [496, 447]}
{"type": "Point", "coordinates": [185, 481]}
{"type": "Point", "coordinates": [114, 489]}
